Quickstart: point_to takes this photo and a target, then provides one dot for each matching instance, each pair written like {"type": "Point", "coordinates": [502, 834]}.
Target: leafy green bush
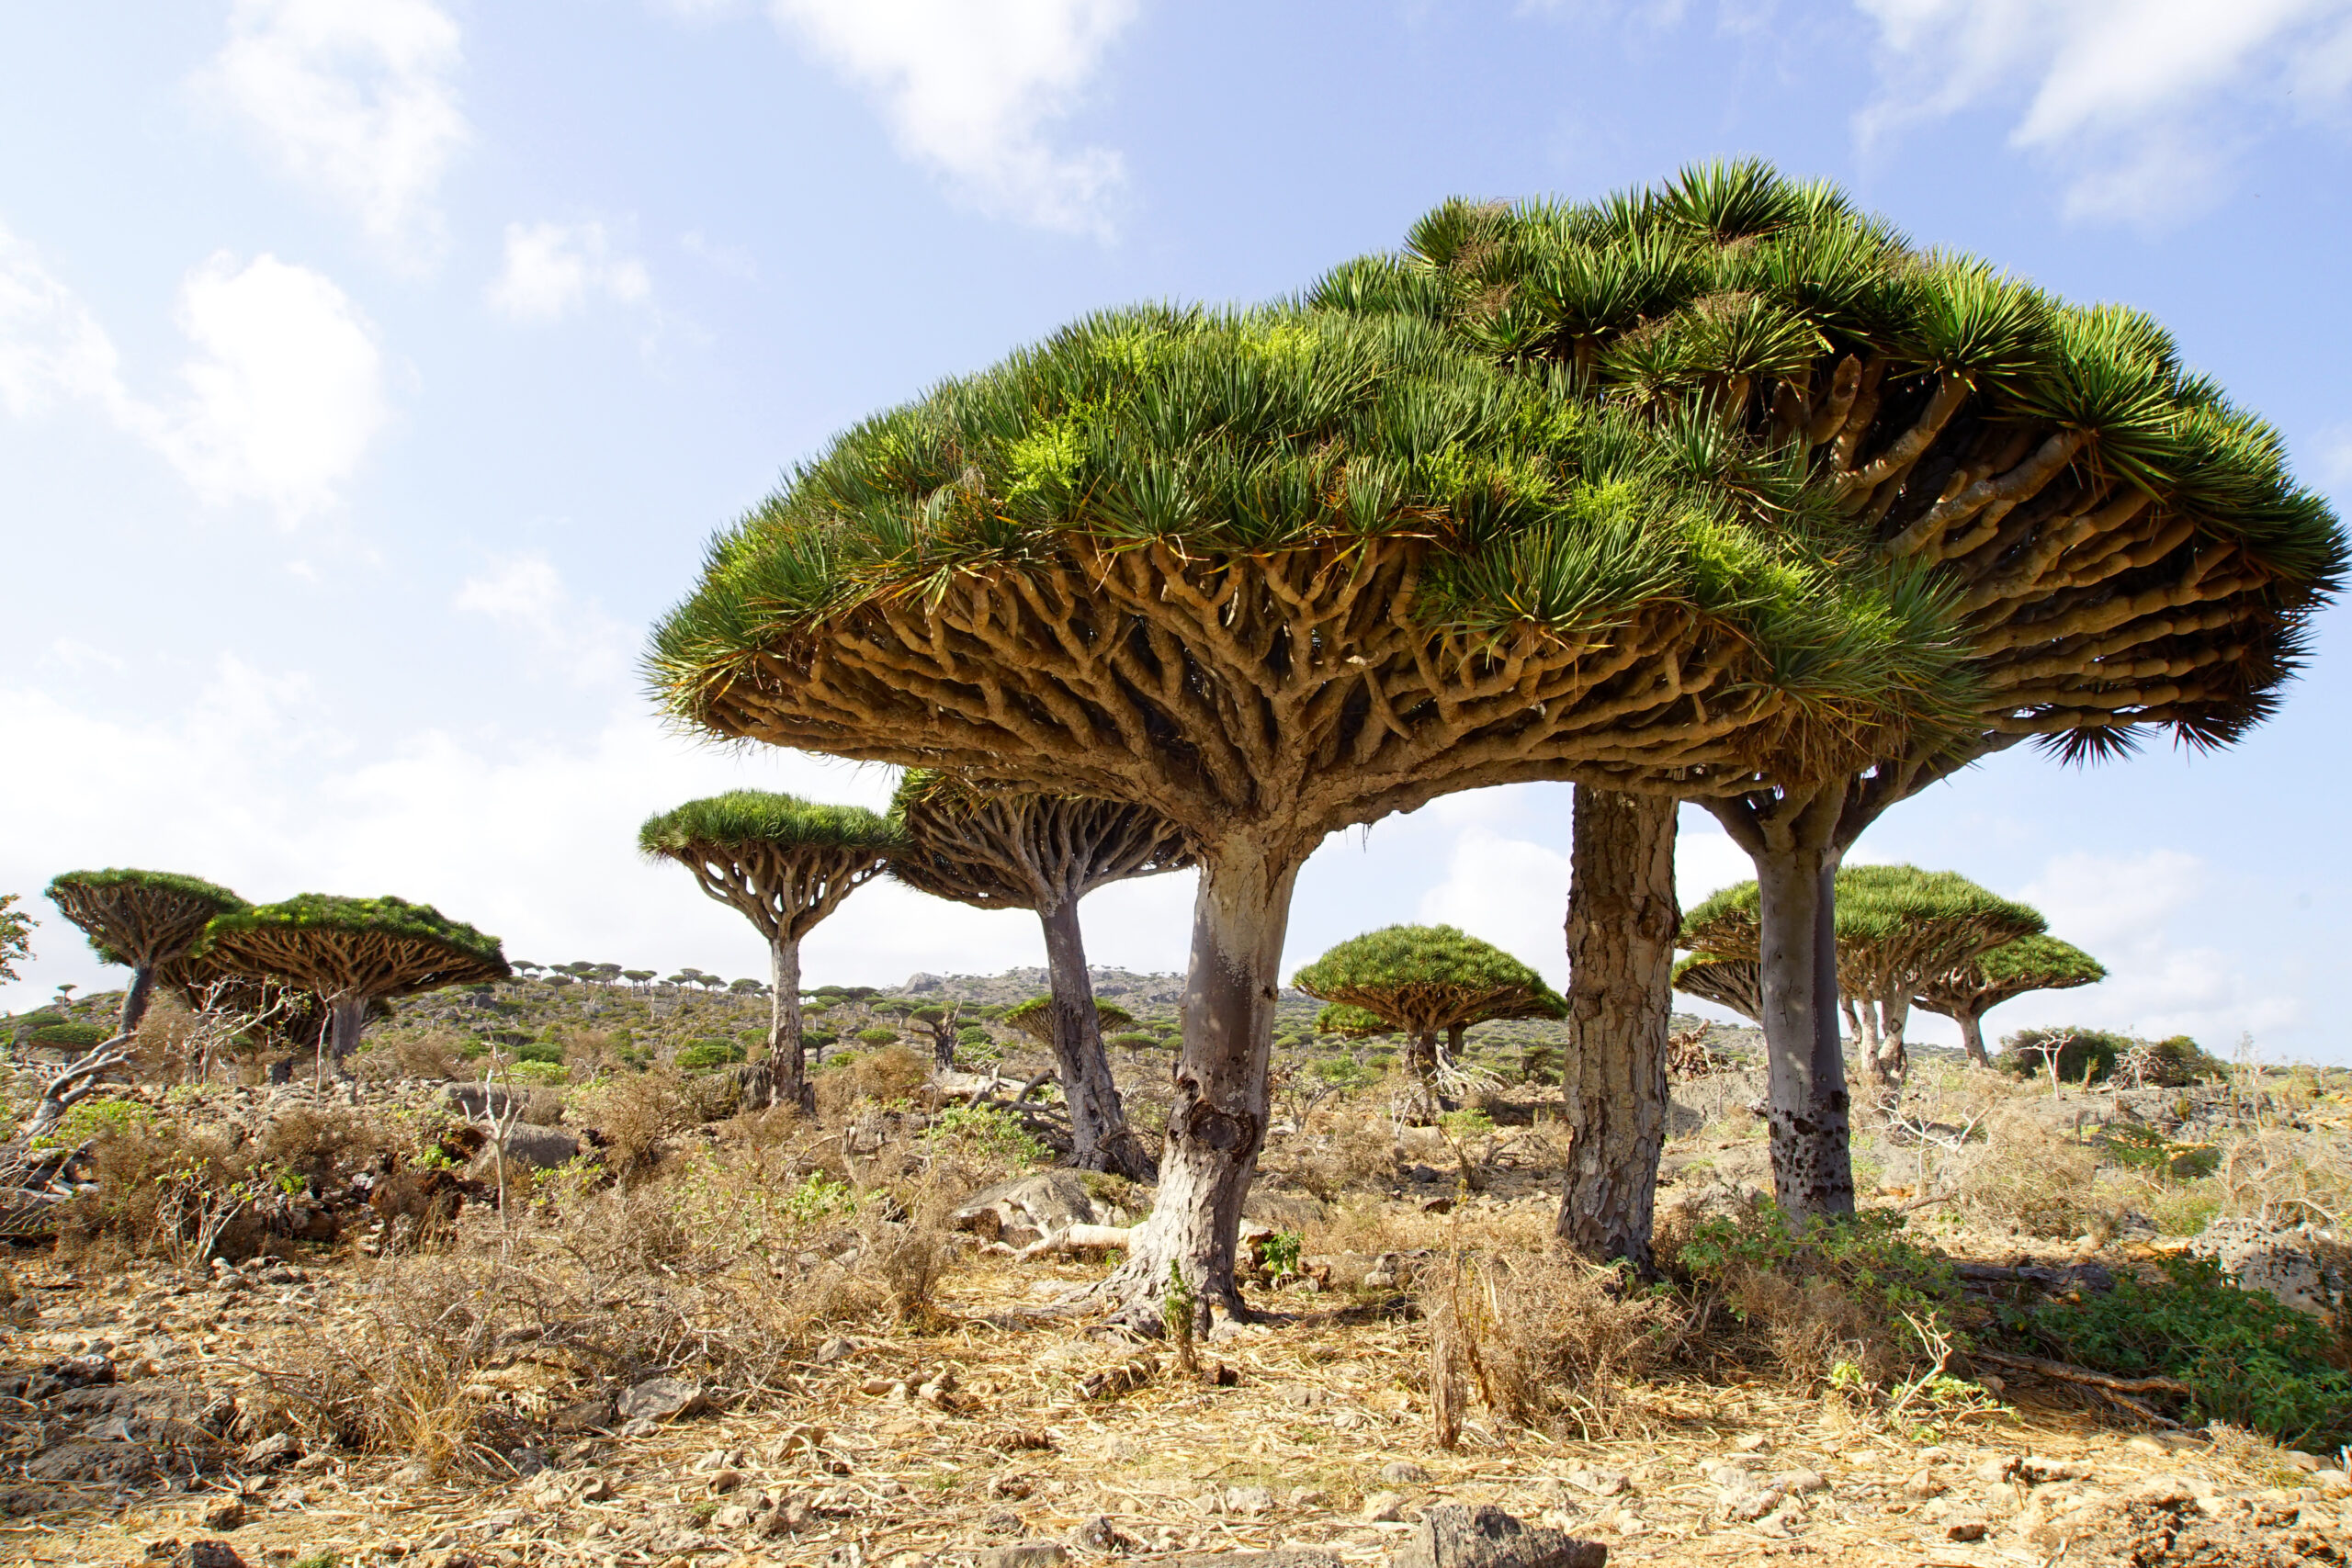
{"type": "Point", "coordinates": [1539, 1064]}
{"type": "Point", "coordinates": [71, 1036]}
{"type": "Point", "coordinates": [95, 1118]}
{"type": "Point", "coordinates": [1133, 1040]}
{"type": "Point", "coordinates": [700, 1056]}
{"type": "Point", "coordinates": [878, 1036]}
{"type": "Point", "coordinates": [2247, 1359]}
{"type": "Point", "coordinates": [539, 1051]}
{"type": "Point", "coordinates": [989, 1129]}
{"type": "Point", "coordinates": [528, 1071]}
{"type": "Point", "coordinates": [1342, 1071]}
{"type": "Point", "coordinates": [2173, 1063]}
{"type": "Point", "coordinates": [1867, 1255]}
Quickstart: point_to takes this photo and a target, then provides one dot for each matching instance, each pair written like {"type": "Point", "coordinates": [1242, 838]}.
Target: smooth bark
{"type": "Point", "coordinates": [1623, 918]}
{"type": "Point", "coordinates": [1972, 1037]}
{"type": "Point", "coordinates": [1098, 1123]}
{"type": "Point", "coordinates": [347, 1015]}
{"type": "Point", "coordinates": [1808, 1102]}
{"type": "Point", "coordinates": [788, 1074]}
{"type": "Point", "coordinates": [136, 997]}
{"type": "Point", "coordinates": [1419, 1103]}
{"type": "Point", "coordinates": [1217, 1123]}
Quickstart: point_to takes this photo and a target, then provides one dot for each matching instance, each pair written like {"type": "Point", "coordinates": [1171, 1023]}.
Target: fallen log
{"type": "Point", "coordinates": [1077, 1238]}
{"type": "Point", "coordinates": [2066, 1372]}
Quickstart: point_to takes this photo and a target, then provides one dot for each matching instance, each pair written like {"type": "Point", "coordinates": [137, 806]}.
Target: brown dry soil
{"type": "Point", "coordinates": [937, 1448]}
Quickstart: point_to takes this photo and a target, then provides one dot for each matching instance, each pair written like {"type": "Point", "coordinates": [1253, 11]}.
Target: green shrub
{"type": "Point", "coordinates": [877, 1036]}
{"type": "Point", "coordinates": [532, 1071]}
{"type": "Point", "coordinates": [1342, 1072]}
{"type": "Point", "coordinates": [95, 1118]}
{"type": "Point", "coordinates": [71, 1036]}
{"type": "Point", "coordinates": [1133, 1040]}
{"type": "Point", "coordinates": [539, 1051]}
{"type": "Point", "coordinates": [700, 1056]}
{"type": "Point", "coordinates": [1539, 1064]}
{"type": "Point", "coordinates": [2174, 1062]}
{"type": "Point", "coordinates": [989, 1129]}
{"type": "Point", "coordinates": [2247, 1359]}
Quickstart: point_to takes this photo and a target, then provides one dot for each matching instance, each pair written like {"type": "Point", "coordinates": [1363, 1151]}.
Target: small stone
{"type": "Point", "coordinates": [1308, 1498]}
{"type": "Point", "coordinates": [1304, 1395]}
{"type": "Point", "coordinates": [1752, 1443]}
{"type": "Point", "coordinates": [409, 1476]}
{"type": "Point", "coordinates": [726, 1481]}
{"type": "Point", "coordinates": [272, 1451]}
{"type": "Point", "coordinates": [1923, 1483]}
{"type": "Point", "coordinates": [1026, 1554]}
{"type": "Point", "coordinates": [1404, 1472]}
{"type": "Point", "coordinates": [1747, 1505]}
{"type": "Point", "coordinates": [1799, 1482]}
{"type": "Point", "coordinates": [880, 1386]}
{"type": "Point", "coordinates": [1249, 1502]}
{"type": "Point", "coordinates": [734, 1517]}
{"type": "Point", "coordinates": [210, 1554]}
{"type": "Point", "coordinates": [835, 1350]}
{"type": "Point", "coordinates": [1096, 1533]}
{"type": "Point", "coordinates": [1964, 1529]}
{"type": "Point", "coordinates": [1001, 1521]}
{"type": "Point", "coordinates": [1600, 1482]}
{"type": "Point", "coordinates": [2035, 1469]}
{"type": "Point", "coordinates": [1455, 1535]}
{"type": "Point", "coordinates": [2296, 1458]}
{"type": "Point", "coordinates": [225, 1514]}
{"type": "Point", "coordinates": [1995, 1471]}
{"type": "Point", "coordinates": [1383, 1509]}
{"type": "Point", "coordinates": [661, 1399]}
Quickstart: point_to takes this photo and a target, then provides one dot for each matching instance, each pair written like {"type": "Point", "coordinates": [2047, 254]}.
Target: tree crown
{"type": "Point", "coordinates": [1426, 977]}
{"type": "Point", "coordinates": [996, 847]}
{"type": "Point", "coordinates": [134, 916]}
{"type": "Point", "coordinates": [1035, 1018]}
{"type": "Point", "coordinates": [761, 819]}
{"type": "Point", "coordinates": [2057, 467]}
{"type": "Point", "coordinates": [330, 944]}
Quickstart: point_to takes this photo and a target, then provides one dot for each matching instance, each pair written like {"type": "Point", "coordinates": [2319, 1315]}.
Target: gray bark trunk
{"type": "Point", "coordinates": [135, 999]}
{"type": "Point", "coordinates": [1098, 1123]}
{"type": "Point", "coordinates": [1813, 1171]}
{"type": "Point", "coordinates": [1217, 1123]}
{"type": "Point", "coordinates": [1972, 1038]}
{"type": "Point", "coordinates": [1623, 919]}
{"type": "Point", "coordinates": [345, 1026]}
{"type": "Point", "coordinates": [788, 1074]}
{"type": "Point", "coordinates": [1420, 1102]}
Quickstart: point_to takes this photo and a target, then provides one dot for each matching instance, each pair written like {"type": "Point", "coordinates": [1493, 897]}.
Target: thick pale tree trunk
{"type": "Point", "coordinates": [140, 992]}
{"type": "Point", "coordinates": [1098, 1123]}
{"type": "Point", "coordinates": [1972, 1038]}
{"type": "Point", "coordinates": [1623, 919]}
{"type": "Point", "coordinates": [346, 1017]}
{"type": "Point", "coordinates": [1893, 1061]}
{"type": "Point", "coordinates": [788, 1065]}
{"type": "Point", "coordinates": [1217, 1123]}
{"type": "Point", "coordinates": [1418, 1101]}
{"type": "Point", "coordinates": [1809, 1111]}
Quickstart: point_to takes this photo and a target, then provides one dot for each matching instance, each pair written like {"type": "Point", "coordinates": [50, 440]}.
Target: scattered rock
{"type": "Point", "coordinates": [527, 1146]}
{"type": "Point", "coordinates": [1098, 1534]}
{"type": "Point", "coordinates": [272, 1451]}
{"type": "Point", "coordinates": [1001, 1521]}
{"type": "Point", "coordinates": [1404, 1472]}
{"type": "Point", "coordinates": [834, 1349]}
{"type": "Point", "coordinates": [1028, 1209]}
{"type": "Point", "coordinates": [1455, 1535]}
{"type": "Point", "coordinates": [1281, 1557]}
{"type": "Point", "coordinates": [1026, 1554]}
{"type": "Point", "coordinates": [1599, 1482]}
{"type": "Point", "coordinates": [1964, 1529]}
{"type": "Point", "coordinates": [1383, 1509]}
{"type": "Point", "coordinates": [1753, 1504]}
{"type": "Point", "coordinates": [1923, 1483]}
{"type": "Point", "coordinates": [661, 1399]}
{"type": "Point", "coordinates": [2280, 1259]}
{"type": "Point", "coordinates": [592, 1415]}
{"type": "Point", "coordinates": [1304, 1395]}
{"type": "Point", "coordinates": [1798, 1482]}
{"type": "Point", "coordinates": [1249, 1502]}
{"type": "Point", "coordinates": [225, 1514]}
{"type": "Point", "coordinates": [208, 1554]}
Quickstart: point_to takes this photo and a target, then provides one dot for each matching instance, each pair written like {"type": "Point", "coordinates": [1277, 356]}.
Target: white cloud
{"type": "Point", "coordinates": [525, 592]}
{"type": "Point", "coordinates": [283, 396]}
{"type": "Point", "coordinates": [2143, 105]}
{"type": "Point", "coordinates": [968, 88]}
{"type": "Point", "coordinates": [553, 269]}
{"type": "Point", "coordinates": [355, 98]}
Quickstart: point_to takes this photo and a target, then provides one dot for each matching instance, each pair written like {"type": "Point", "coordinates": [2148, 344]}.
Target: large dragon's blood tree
{"type": "Point", "coordinates": [1898, 927]}
{"type": "Point", "coordinates": [350, 954]}
{"type": "Point", "coordinates": [140, 919]}
{"type": "Point", "coordinates": [784, 863]}
{"type": "Point", "coordinates": [1734, 983]}
{"type": "Point", "coordinates": [1966, 992]}
{"type": "Point", "coordinates": [2122, 551]}
{"type": "Point", "coordinates": [1423, 982]}
{"type": "Point", "coordinates": [1012, 848]}
{"type": "Point", "coordinates": [1268, 575]}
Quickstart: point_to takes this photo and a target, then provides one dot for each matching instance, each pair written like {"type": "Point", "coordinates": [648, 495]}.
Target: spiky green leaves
{"type": "Point", "coordinates": [139, 918]}
{"type": "Point", "coordinates": [749, 818]}
{"type": "Point", "coordinates": [1425, 979]}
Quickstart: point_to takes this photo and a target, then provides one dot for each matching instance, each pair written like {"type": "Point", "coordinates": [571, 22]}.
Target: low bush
{"type": "Point", "coordinates": [989, 1133]}
{"type": "Point", "coordinates": [701, 1056]}
{"type": "Point", "coordinates": [539, 1051]}
{"type": "Point", "coordinates": [887, 1076]}
{"type": "Point", "coordinates": [633, 1114]}
{"type": "Point", "coordinates": [2245, 1359]}
{"type": "Point", "coordinates": [2169, 1064]}
{"type": "Point", "coordinates": [1546, 1339]}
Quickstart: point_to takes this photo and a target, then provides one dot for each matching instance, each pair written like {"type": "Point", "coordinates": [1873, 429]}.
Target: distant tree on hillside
{"type": "Point", "coordinates": [784, 864]}
{"type": "Point", "coordinates": [1968, 991]}
{"type": "Point", "coordinates": [16, 935]}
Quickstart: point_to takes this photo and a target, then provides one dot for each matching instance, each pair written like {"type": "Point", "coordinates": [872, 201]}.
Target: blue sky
{"type": "Point", "coordinates": [372, 371]}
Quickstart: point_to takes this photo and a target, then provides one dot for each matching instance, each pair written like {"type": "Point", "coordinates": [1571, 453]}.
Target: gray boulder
{"type": "Point", "coordinates": [1455, 1535]}
{"type": "Point", "coordinates": [528, 1147]}
{"type": "Point", "coordinates": [1028, 1208]}
{"type": "Point", "coordinates": [2284, 1260]}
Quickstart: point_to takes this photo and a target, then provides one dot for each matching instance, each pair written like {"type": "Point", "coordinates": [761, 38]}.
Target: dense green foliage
{"type": "Point", "coordinates": [2171, 1063]}
{"type": "Point", "coordinates": [2248, 1360]}
{"type": "Point", "coordinates": [1877, 904]}
{"type": "Point", "coordinates": [69, 1036]}
{"type": "Point", "coordinates": [763, 817]}
{"type": "Point", "coordinates": [16, 936]}
{"type": "Point", "coordinates": [1035, 1018]}
{"type": "Point", "coordinates": [1419, 979]}
{"type": "Point", "coordinates": [387, 916]}
{"type": "Point", "coordinates": [2036, 963]}
{"type": "Point", "coordinates": [699, 1055]}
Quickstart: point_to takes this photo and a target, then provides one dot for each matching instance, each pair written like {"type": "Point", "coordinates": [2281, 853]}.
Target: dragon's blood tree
{"type": "Point", "coordinates": [1898, 926]}
{"type": "Point", "coordinates": [140, 919]}
{"type": "Point", "coordinates": [1423, 982]}
{"type": "Point", "coordinates": [1966, 992]}
{"type": "Point", "coordinates": [350, 954]}
{"type": "Point", "coordinates": [784, 863]}
{"type": "Point", "coordinates": [1269, 574]}
{"type": "Point", "coordinates": [2116, 550]}
{"type": "Point", "coordinates": [1734, 983]}
{"type": "Point", "coordinates": [1009, 849]}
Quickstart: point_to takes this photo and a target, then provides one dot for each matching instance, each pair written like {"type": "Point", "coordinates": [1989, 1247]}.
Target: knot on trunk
{"type": "Point", "coordinates": [1211, 1128]}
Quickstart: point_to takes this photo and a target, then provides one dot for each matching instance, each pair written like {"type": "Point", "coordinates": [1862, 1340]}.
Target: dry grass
{"type": "Point", "coordinates": [635, 1113]}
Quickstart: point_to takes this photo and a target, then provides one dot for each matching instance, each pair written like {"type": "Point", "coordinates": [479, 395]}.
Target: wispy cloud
{"type": "Point", "coordinates": [970, 87]}
{"type": "Point", "coordinates": [2144, 107]}
{"type": "Point", "coordinates": [554, 269]}
{"type": "Point", "coordinates": [524, 592]}
{"type": "Point", "coordinates": [356, 99]}
{"type": "Point", "coordinates": [282, 395]}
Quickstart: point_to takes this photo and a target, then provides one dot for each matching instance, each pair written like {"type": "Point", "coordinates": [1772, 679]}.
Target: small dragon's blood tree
{"type": "Point", "coordinates": [1269, 574]}
{"type": "Point", "coordinates": [1009, 849]}
{"type": "Point", "coordinates": [784, 864]}
{"type": "Point", "coordinates": [1734, 983]}
{"type": "Point", "coordinates": [1898, 927]}
{"type": "Point", "coordinates": [350, 954]}
{"type": "Point", "coordinates": [140, 919]}
{"type": "Point", "coordinates": [1423, 982]}
{"type": "Point", "coordinates": [1966, 992]}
